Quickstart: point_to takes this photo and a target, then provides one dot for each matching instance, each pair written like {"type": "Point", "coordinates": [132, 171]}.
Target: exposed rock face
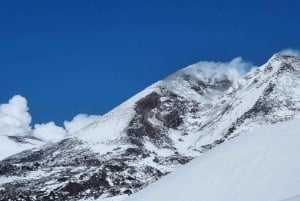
{"type": "Point", "coordinates": [148, 136]}
{"type": "Point", "coordinates": [150, 111]}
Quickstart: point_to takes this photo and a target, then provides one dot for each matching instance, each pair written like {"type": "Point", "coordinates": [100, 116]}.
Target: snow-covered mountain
{"type": "Point", "coordinates": [156, 131]}
{"type": "Point", "coordinates": [262, 165]}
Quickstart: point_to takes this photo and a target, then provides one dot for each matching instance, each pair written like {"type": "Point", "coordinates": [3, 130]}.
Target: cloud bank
{"type": "Point", "coordinates": [79, 121]}
{"type": "Point", "coordinates": [16, 120]}
{"type": "Point", "coordinates": [49, 132]}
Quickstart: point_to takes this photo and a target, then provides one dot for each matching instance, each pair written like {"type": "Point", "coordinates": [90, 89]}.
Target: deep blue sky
{"type": "Point", "coordinates": [69, 57]}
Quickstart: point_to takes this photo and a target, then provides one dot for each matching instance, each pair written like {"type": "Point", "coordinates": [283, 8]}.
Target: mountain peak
{"type": "Point", "coordinates": [211, 72]}
{"type": "Point", "coordinates": [288, 53]}
{"type": "Point", "coordinates": [282, 62]}
{"type": "Point", "coordinates": [285, 56]}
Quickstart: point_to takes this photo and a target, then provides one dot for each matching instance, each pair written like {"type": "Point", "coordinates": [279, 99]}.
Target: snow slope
{"type": "Point", "coordinates": [262, 165]}
{"type": "Point", "coordinates": [10, 145]}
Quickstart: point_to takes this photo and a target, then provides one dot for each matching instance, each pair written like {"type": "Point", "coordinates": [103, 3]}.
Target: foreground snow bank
{"type": "Point", "coordinates": [262, 165]}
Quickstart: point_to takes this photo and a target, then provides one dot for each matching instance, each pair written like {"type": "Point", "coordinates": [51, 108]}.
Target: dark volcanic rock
{"type": "Point", "coordinates": [73, 188]}
{"type": "Point", "coordinates": [172, 119]}
{"type": "Point", "coordinates": [147, 103]}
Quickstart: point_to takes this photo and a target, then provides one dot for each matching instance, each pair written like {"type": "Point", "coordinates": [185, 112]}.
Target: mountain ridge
{"type": "Point", "coordinates": [161, 128]}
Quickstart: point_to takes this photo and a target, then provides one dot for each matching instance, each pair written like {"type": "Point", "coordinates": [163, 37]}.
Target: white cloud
{"type": "Point", "coordinates": [49, 132]}
{"type": "Point", "coordinates": [53, 133]}
{"type": "Point", "coordinates": [16, 120]}
{"type": "Point", "coordinates": [79, 121]}
{"type": "Point", "coordinates": [211, 70]}
{"type": "Point", "coordinates": [14, 117]}
{"type": "Point", "coordinates": [290, 52]}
